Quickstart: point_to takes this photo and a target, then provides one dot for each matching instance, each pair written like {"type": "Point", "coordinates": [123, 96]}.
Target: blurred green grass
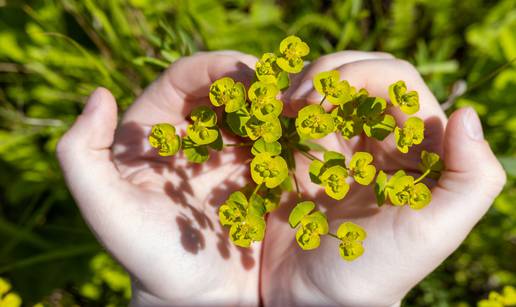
{"type": "Point", "coordinates": [53, 53]}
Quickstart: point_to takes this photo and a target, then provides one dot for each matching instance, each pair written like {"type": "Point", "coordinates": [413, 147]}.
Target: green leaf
{"type": "Point", "coordinates": [218, 144]}
{"type": "Point", "coordinates": [381, 129]}
{"type": "Point", "coordinates": [315, 170]}
{"type": "Point", "coordinates": [283, 81]}
{"type": "Point", "coordinates": [299, 212]}
{"type": "Point", "coordinates": [333, 158]}
{"type": "Point", "coordinates": [195, 153]}
{"type": "Point", "coordinates": [236, 121]}
{"type": "Point", "coordinates": [286, 185]}
{"type": "Point", "coordinates": [256, 205]}
{"type": "Point", "coordinates": [379, 188]}
{"type": "Point", "coordinates": [261, 146]}
{"type": "Point", "coordinates": [431, 161]}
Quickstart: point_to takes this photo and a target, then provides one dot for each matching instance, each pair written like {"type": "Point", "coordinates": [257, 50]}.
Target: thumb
{"type": "Point", "coordinates": [472, 179]}
{"type": "Point", "coordinates": [85, 157]}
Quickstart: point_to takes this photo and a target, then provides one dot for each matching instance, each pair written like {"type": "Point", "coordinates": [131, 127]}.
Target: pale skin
{"type": "Point", "coordinates": [158, 216]}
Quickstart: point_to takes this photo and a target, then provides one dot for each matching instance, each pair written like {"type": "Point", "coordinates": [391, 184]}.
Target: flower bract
{"type": "Point", "coordinates": [292, 50]}
{"type": "Point", "coordinates": [164, 138]}
{"type": "Point", "coordinates": [228, 93]}
{"type": "Point", "coordinates": [351, 236]}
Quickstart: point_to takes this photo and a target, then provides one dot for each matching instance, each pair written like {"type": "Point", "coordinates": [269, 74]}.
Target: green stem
{"type": "Point", "coordinates": [334, 235]}
{"type": "Point", "coordinates": [238, 145]}
{"type": "Point", "coordinates": [257, 188]}
{"type": "Point", "coordinates": [298, 192]}
{"type": "Point", "coordinates": [322, 100]}
{"type": "Point", "coordinates": [422, 176]}
{"type": "Point", "coordinates": [309, 156]}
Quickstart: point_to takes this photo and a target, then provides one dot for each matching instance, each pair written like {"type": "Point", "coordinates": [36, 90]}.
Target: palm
{"type": "Point", "coordinates": [398, 242]}
{"type": "Point", "coordinates": [169, 238]}
{"type": "Point", "coordinates": [178, 220]}
{"type": "Point", "coordinates": [393, 234]}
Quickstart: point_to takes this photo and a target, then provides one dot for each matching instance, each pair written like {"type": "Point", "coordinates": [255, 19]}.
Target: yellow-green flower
{"type": "Point", "coordinates": [268, 169]}
{"type": "Point", "coordinates": [268, 71]}
{"type": "Point", "coordinates": [226, 92]}
{"type": "Point", "coordinates": [407, 101]}
{"type": "Point", "coordinates": [412, 133]}
{"type": "Point", "coordinates": [204, 116]}
{"type": "Point", "coordinates": [251, 229]}
{"type": "Point", "coordinates": [400, 190]}
{"type": "Point", "coordinates": [361, 168]}
{"type": "Point", "coordinates": [292, 50]}
{"type": "Point", "coordinates": [163, 137]}
{"type": "Point", "coordinates": [264, 104]}
{"type": "Point", "coordinates": [311, 228]}
{"type": "Point", "coordinates": [420, 197]}
{"type": "Point", "coordinates": [334, 181]}
{"type": "Point", "coordinates": [245, 226]}
{"type": "Point", "coordinates": [351, 236]}
{"type": "Point", "coordinates": [312, 122]}
{"type": "Point", "coordinates": [269, 130]}
{"type": "Point", "coordinates": [7, 298]}
{"type": "Point", "coordinates": [203, 130]}
{"type": "Point", "coordinates": [403, 190]}
{"type": "Point", "coordinates": [234, 210]}
{"type": "Point", "coordinates": [328, 84]}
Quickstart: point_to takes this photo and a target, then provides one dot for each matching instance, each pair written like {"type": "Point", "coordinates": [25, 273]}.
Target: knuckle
{"type": "Point", "coordinates": [497, 177]}
{"type": "Point", "coordinates": [64, 145]}
{"type": "Point", "coordinates": [406, 66]}
{"type": "Point", "coordinates": [325, 60]}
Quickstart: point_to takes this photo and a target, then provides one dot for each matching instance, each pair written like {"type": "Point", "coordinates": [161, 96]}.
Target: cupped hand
{"type": "Point", "coordinates": [157, 215]}
{"type": "Point", "coordinates": [402, 245]}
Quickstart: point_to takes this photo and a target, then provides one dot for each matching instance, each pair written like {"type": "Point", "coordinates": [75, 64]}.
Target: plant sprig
{"type": "Point", "coordinates": [255, 117]}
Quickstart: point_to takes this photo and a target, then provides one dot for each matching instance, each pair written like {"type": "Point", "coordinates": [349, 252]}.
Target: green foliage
{"type": "Point", "coordinates": [54, 53]}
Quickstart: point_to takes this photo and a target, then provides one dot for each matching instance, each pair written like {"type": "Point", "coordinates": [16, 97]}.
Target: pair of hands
{"type": "Point", "coordinates": [158, 216]}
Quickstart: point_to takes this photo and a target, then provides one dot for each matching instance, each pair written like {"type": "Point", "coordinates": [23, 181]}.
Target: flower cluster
{"type": "Point", "coordinates": [254, 115]}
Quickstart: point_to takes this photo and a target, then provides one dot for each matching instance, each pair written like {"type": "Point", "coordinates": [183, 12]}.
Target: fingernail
{"type": "Point", "coordinates": [472, 124]}
{"type": "Point", "coordinates": [303, 90]}
{"type": "Point", "coordinates": [93, 101]}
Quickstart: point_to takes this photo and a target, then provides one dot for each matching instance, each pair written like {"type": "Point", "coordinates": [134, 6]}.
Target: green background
{"type": "Point", "coordinates": [53, 53]}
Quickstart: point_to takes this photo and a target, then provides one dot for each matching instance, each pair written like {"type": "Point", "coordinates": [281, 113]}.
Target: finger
{"type": "Point", "coordinates": [91, 176]}
{"type": "Point", "coordinates": [472, 179]}
{"type": "Point", "coordinates": [302, 84]}
{"type": "Point", "coordinates": [185, 84]}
